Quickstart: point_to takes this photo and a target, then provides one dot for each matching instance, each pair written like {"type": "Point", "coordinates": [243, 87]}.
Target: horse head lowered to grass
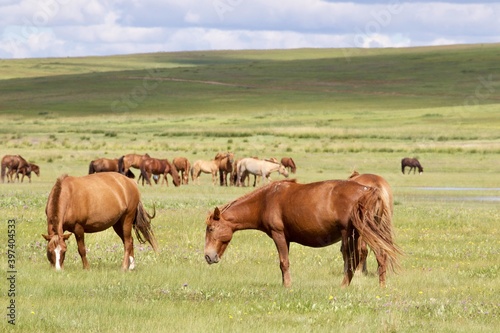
{"type": "Point", "coordinates": [316, 215]}
{"type": "Point", "coordinates": [91, 204]}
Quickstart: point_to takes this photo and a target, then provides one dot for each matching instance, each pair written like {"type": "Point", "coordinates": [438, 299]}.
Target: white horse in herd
{"type": "Point", "coordinates": [258, 168]}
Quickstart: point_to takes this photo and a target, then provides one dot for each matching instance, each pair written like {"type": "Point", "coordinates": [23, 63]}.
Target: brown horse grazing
{"type": "Point", "coordinates": [14, 163]}
{"type": "Point", "coordinates": [289, 164]}
{"type": "Point", "coordinates": [105, 165]}
{"type": "Point", "coordinates": [387, 208]}
{"type": "Point", "coordinates": [413, 163]}
{"type": "Point", "coordinates": [200, 166]}
{"type": "Point", "coordinates": [153, 166]}
{"type": "Point", "coordinates": [132, 160]}
{"type": "Point", "coordinates": [225, 163]}
{"type": "Point", "coordinates": [95, 203]}
{"type": "Point", "coordinates": [26, 171]}
{"type": "Point", "coordinates": [316, 215]}
{"type": "Point", "coordinates": [183, 166]}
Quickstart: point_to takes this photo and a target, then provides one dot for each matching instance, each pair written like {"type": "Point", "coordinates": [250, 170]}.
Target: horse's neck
{"type": "Point", "coordinates": [273, 166]}
{"type": "Point", "coordinates": [244, 214]}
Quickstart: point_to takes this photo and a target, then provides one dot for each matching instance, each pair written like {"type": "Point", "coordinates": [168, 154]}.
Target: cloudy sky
{"type": "Point", "coordinates": [61, 28]}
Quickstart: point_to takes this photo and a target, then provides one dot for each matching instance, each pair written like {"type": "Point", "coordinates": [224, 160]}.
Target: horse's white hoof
{"type": "Point", "coordinates": [131, 265]}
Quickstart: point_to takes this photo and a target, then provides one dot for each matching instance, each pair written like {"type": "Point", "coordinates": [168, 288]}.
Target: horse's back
{"type": "Point", "coordinates": [312, 214]}
{"type": "Point", "coordinates": [98, 198]}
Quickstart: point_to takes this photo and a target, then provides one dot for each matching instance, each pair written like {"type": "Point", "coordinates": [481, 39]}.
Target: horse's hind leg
{"type": "Point", "coordinates": [350, 253]}
{"type": "Point", "coordinates": [123, 229]}
{"type": "Point", "coordinates": [382, 268]}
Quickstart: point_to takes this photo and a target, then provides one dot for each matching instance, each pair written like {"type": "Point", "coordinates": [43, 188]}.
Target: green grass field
{"type": "Point", "coordinates": [333, 114]}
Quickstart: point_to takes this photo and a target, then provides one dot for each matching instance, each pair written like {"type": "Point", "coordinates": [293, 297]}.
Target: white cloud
{"type": "Point", "coordinates": [93, 27]}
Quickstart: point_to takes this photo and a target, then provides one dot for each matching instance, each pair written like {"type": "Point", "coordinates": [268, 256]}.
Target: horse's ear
{"type": "Point", "coordinates": [216, 214]}
{"type": "Point", "coordinates": [47, 237]}
{"type": "Point", "coordinates": [66, 236]}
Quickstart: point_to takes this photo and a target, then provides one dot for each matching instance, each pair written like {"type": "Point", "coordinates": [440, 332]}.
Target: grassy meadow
{"type": "Point", "coordinates": [333, 111]}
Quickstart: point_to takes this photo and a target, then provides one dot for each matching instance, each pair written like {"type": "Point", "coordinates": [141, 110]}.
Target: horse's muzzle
{"type": "Point", "coordinates": [212, 259]}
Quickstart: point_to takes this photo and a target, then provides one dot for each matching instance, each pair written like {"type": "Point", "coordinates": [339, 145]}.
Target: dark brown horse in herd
{"type": "Point", "coordinates": [91, 204]}
{"type": "Point", "coordinates": [413, 164]}
{"type": "Point", "coordinates": [316, 215]}
{"type": "Point", "coordinates": [289, 164]}
{"type": "Point", "coordinates": [16, 164]}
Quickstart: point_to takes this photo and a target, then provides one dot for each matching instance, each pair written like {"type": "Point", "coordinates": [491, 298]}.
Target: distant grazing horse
{"type": "Point", "coordinates": [14, 163]}
{"type": "Point", "coordinates": [245, 177]}
{"type": "Point", "coordinates": [26, 171]}
{"type": "Point", "coordinates": [259, 168]}
{"type": "Point", "coordinates": [153, 166]}
{"type": "Point", "coordinates": [387, 208]}
{"type": "Point", "coordinates": [132, 160]}
{"type": "Point", "coordinates": [289, 164]}
{"type": "Point", "coordinates": [413, 163]}
{"type": "Point", "coordinates": [225, 163]}
{"type": "Point", "coordinates": [316, 215]}
{"type": "Point", "coordinates": [183, 166]}
{"type": "Point", "coordinates": [200, 166]}
{"type": "Point", "coordinates": [94, 203]}
{"type": "Point", "coordinates": [108, 165]}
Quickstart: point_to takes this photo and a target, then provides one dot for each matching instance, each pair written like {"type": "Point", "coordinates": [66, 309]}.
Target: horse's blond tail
{"type": "Point", "coordinates": [142, 227]}
{"type": "Point", "coordinates": [372, 218]}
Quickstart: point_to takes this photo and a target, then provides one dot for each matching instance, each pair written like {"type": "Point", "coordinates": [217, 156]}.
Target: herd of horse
{"type": "Point", "coordinates": [357, 212]}
{"type": "Point", "coordinates": [224, 168]}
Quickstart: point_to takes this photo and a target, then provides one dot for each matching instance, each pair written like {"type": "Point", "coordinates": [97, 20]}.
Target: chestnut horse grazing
{"type": "Point", "coordinates": [387, 208]}
{"type": "Point", "coordinates": [94, 203]}
{"type": "Point", "coordinates": [412, 163]}
{"type": "Point", "coordinates": [289, 164]}
{"type": "Point", "coordinates": [183, 166]}
{"type": "Point", "coordinates": [153, 166]}
{"type": "Point", "coordinates": [316, 215]}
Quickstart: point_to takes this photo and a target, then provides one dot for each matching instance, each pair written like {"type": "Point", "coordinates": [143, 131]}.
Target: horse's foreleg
{"type": "Point", "coordinates": [283, 247]}
{"type": "Point", "coordinates": [80, 241]}
{"type": "Point", "coordinates": [214, 178]}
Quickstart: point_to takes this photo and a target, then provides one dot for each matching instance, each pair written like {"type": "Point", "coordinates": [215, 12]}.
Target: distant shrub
{"type": "Point", "coordinates": [111, 134]}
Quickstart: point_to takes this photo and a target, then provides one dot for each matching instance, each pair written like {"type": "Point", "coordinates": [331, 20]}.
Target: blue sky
{"type": "Point", "coordinates": [61, 28]}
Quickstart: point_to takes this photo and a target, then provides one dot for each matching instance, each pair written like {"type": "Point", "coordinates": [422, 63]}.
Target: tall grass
{"type": "Point", "coordinates": [332, 117]}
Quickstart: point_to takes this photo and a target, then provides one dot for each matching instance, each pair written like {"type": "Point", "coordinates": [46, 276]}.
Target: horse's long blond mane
{"type": "Point", "coordinates": [255, 193]}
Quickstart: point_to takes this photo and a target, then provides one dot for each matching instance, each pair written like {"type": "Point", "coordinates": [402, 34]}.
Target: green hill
{"type": "Point", "coordinates": [235, 81]}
